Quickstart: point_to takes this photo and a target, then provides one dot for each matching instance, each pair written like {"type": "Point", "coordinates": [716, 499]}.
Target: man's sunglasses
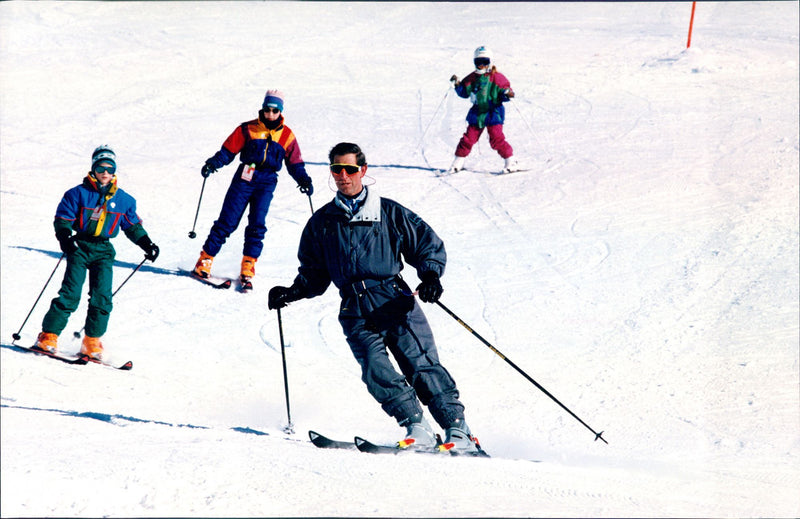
{"type": "Point", "coordinates": [350, 169]}
{"type": "Point", "coordinates": [105, 169]}
{"type": "Point", "coordinates": [273, 110]}
{"type": "Point", "coordinates": [482, 62]}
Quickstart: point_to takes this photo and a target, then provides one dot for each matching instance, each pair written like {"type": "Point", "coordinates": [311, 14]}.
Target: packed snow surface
{"type": "Point", "coordinates": [644, 269]}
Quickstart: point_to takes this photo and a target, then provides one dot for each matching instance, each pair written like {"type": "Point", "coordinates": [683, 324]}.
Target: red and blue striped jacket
{"type": "Point", "coordinates": [267, 148]}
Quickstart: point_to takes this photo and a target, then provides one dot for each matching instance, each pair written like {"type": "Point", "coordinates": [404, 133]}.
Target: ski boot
{"type": "Point", "coordinates": [419, 434]}
{"type": "Point", "coordinates": [202, 268]}
{"type": "Point", "coordinates": [459, 440]}
{"type": "Point", "coordinates": [92, 347]}
{"type": "Point", "coordinates": [457, 165]}
{"type": "Point", "coordinates": [510, 165]}
{"type": "Point", "coordinates": [47, 342]}
{"type": "Point", "coordinates": [248, 272]}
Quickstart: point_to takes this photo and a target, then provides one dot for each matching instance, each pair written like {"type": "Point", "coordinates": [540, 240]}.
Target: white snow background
{"type": "Point", "coordinates": [644, 270]}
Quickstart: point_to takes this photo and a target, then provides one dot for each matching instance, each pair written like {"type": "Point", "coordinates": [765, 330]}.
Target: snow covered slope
{"type": "Point", "coordinates": [644, 271]}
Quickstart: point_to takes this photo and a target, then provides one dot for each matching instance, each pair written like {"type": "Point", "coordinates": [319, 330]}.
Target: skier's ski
{"type": "Point", "coordinates": [127, 366]}
{"type": "Point", "coordinates": [323, 442]}
{"type": "Point", "coordinates": [480, 453]}
{"type": "Point", "coordinates": [509, 171]}
{"type": "Point", "coordinates": [440, 449]}
{"type": "Point", "coordinates": [213, 281]}
{"type": "Point", "coordinates": [245, 286]}
{"type": "Point", "coordinates": [73, 359]}
{"type": "Point", "coordinates": [446, 172]}
{"type": "Point", "coordinates": [374, 448]}
{"type": "Point", "coordinates": [69, 359]}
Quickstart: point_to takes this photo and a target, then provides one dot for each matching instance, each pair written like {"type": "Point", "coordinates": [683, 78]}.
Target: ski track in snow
{"type": "Point", "coordinates": [644, 270]}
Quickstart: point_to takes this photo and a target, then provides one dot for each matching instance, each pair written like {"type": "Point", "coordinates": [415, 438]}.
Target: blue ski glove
{"type": "Point", "coordinates": [207, 170]}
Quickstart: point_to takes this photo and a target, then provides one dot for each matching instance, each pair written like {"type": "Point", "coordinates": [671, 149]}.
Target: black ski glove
{"type": "Point", "coordinates": [306, 187]}
{"type": "Point", "coordinates": [207, 170]}
{"type": "Point", "coordinates": [279, 297]}
{"type": "Point", "coordinates": [66, 240]}
{"type": "Point", "coordinates": [430, 290]}
{"type": "Point", "coordinates": [150, 249]}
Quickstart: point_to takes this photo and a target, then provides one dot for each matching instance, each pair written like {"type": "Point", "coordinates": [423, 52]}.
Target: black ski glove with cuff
{"type": "Point", "coordinates": [306, 187]}
{"type": "Point", "coordinates": [430, 290]}
{"type": "Point", "coordinates": [66, 240]}
{"type": "Point", "coordinates": [279, 297]}
{"type": "Point", "coordinates": [150, 249]}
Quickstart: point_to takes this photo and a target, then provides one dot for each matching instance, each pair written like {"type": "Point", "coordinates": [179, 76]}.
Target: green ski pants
{"type": "Point", "coordinates": [96, 258]}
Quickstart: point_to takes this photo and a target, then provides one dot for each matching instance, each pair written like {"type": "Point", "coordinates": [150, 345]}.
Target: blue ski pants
{"type": "Point", "coordinates": [256, 193]}
{"type": "Point", "coordinates": [410, 341]}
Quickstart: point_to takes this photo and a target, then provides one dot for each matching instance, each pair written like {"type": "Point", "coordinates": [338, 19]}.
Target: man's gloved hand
{"type": "Point", "coordinates": [454, 80]}
{"type": "Point", "coordinates": [66, 240]}
{"type": "Point", "coordinates": [150, 249]}
{"type": "Point", "coordinates": [207, 170]}
{"type": "Point", "coordinates": [279, 297]}
{"type": "Point", "coordinates": [306, 187]}
{"type": "Point", "coordinates": [430, 290]}
{"type": "Point", "coordinates": [509, 93]}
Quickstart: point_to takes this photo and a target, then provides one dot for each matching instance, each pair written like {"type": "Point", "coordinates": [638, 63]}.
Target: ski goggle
{"type": "Point", "coordinates": [350, 169]}
{"type": "Point", "coordinates": [273, 110]}
{"type": "Point", "coordinates": [482, 62]}
{"type": "Point", "coordinates": [105, 169]}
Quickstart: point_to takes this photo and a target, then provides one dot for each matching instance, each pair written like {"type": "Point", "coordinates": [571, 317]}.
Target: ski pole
{"type": "Point", "coordinates": [310, 204]}
{"type": "Point", "coordinates": [289, 429]}
{"type": "Point", "coordinates": [192, 234]}
{"type": "Point", "coordinates": [77, 334]}
{"type": "Point", "coordinates": [526, 122]}
{"type": "Point", "coordinates": [432, 117]}
{"type": "Point", "coordinates": [17, 336]}
{"type": "Point", "coordinates": [597, 435]}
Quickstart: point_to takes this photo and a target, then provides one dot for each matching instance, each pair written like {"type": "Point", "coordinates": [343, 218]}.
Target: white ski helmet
{"type": "Point", "coordinates": [483, 54]}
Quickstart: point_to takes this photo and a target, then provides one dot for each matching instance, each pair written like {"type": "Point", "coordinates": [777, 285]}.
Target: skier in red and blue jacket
{"type": "Point", "coordinates": [263, 145]}
{"type": "Point", "coordinates": [487, 89]}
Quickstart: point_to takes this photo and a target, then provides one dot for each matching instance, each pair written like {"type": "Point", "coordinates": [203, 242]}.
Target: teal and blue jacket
{"type": "Point", "coordinates": [487, 92]}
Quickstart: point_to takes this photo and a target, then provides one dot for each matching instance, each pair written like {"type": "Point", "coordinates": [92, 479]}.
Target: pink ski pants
{"type": "Point", "coordinates": [497, 141]}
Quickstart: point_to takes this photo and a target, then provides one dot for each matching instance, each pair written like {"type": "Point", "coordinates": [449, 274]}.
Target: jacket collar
{"type": "Point", "coordinates": [368, 210]}
{"type": "Point", "coordinates": [277, 124]}
{"type": "Point", "coordinates": [108, 191]}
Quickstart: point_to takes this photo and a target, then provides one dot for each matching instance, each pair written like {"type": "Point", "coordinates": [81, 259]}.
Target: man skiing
{"type": "Point", "coordinates": [487, 89]}
{"type": "Point", "coordinates": [96, 210]}
{"type": "Point", "coordinates": [358, 242]}
{"type": "Point", "coordinates": [262, 144]}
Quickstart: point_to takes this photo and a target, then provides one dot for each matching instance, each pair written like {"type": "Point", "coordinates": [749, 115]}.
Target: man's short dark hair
{"type": "Point", "coordinates": [344, 148]}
